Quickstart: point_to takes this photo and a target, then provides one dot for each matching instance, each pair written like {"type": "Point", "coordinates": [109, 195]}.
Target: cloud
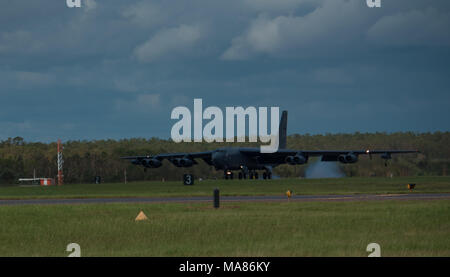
{"type": "Point", "coordinates": [169, 42]}
{"type": "Point", "coordinates": [276, 5]}
{"type": "Point", "coordinates": [145, 14]}
{"type": "Point", "coordinates": [33, 78]}
{"type": "Point", "coordinates": [413, 28]}
{"type": "Point", "coordinates": [19, 79]}
{"type": "Point", "coordinates": [19, 41]}
{"type": "Point", "coordinates": [335, 24]}
{"type": "Point", "coordinates": [118, 61]}
{"type": "Point", "coordinates": [90, 5]}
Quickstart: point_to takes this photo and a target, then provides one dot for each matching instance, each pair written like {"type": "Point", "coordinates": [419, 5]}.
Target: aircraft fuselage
{"type": "Point", "coordinates": [230, 158]}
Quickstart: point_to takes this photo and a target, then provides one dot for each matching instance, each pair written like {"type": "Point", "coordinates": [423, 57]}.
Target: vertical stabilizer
{"type": "Point", "coordinates": [282, 130]}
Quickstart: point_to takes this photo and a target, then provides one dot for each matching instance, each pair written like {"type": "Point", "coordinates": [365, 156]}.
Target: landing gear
{"type": "Point", "coordinates": [244, 172]}
{"type": "Point", "coordinates": [252, 174]}
{"type": "Point", "coordinates": [242, 175]}
{"type": "Point", "coordinates": [267, 175]}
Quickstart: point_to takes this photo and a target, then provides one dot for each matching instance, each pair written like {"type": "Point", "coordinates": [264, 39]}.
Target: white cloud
{"type": "Point", "coordinates": [90, 5]}
{"type": "Point", "coordinates": [336, 23]}
{"type": "Point", "coordinates": [263, 36]}
{"type": "Point", "coordinates": [412, 28]}
{"type": "Point", "coordinates": [167, 42]}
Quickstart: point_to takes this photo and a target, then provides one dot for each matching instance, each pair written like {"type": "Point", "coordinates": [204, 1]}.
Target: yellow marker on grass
{"type": "Point", "coordinates": [141, 216]}
{"type": "Point", "coordinates": [289, 194]}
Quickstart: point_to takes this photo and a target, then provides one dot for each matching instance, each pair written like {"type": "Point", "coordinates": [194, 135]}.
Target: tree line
{"type": "Point", "coordinates": [83, 160]}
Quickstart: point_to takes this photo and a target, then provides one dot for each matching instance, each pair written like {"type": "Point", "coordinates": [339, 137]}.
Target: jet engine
{"type": "Point", "coordinates": [290, 160]}
{"type": "Point", "coordinates": [297, 159]}
{"type": "Point", "coordinates": [182, 162]}
{"type": "Point", "coordinates": [348, 159]}
{"type": "Point", "coordinates": [186, 162]}
{"type": "Point", "coordinates": [153, 163]}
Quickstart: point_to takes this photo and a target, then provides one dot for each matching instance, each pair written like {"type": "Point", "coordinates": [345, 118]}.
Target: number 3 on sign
{"type": "Point", "coordinates": [188, 179]}
{"type": "Point", "coordinates": [375, 249]}
{"type": "Point", "coordinates": [75, 249]}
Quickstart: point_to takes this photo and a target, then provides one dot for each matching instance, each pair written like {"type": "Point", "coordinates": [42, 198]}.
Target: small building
{"type": "Point", "coordinates": [40, 181]}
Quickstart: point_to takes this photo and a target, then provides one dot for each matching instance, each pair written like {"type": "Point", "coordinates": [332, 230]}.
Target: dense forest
{"type": "Point", "coordinates": [83, 160]}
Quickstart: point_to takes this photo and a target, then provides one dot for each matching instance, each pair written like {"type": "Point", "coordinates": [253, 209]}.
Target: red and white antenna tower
{"type": "Point", "coordinates": [60, 163]}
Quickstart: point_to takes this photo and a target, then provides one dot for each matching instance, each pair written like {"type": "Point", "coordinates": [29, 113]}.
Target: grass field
{"type": "Point", "coordinates": [236, 187]}
{"type": "Point", "coordinates": [402, 228]}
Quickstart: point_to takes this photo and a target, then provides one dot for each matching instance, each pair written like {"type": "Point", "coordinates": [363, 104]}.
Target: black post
{"type": "Point", "coordinates": [216, 198]}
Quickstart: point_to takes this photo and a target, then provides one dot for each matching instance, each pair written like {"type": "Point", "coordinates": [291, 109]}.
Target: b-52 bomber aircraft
{"type": "Point", "coordinates": [250, 159]}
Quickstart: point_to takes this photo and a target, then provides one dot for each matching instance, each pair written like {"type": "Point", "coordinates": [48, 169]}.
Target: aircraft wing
{"type": "Point", "coordinates": [172, 157]}
{"type": "Point", "coordinates": [327, 155]}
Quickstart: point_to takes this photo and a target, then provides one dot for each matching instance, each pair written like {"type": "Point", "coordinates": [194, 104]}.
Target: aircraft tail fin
{"type": "Point", "coordinates": [282, 131]}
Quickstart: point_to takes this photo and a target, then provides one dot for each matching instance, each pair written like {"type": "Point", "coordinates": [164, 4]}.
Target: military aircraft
{"type": "Point", "coordinates": [248, 160]}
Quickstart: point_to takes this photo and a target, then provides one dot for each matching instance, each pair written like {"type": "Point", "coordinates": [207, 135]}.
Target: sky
{"type": "Point", "coordinates": [116, 69]}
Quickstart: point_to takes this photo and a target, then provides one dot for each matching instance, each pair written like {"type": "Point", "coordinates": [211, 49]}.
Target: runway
{"type": "Point", "coordinates": [304, 198]}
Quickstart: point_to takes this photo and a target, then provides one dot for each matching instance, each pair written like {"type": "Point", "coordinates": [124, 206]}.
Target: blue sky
{"type": "Point", "coordinates": [116, 69]}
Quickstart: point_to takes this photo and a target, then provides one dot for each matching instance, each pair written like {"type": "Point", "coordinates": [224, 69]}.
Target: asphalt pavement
{"type": "Point", "coordinates": [324, 198]}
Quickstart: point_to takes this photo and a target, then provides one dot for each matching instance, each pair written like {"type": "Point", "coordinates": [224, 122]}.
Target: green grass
{"type": "Point", "coordinates": [236, 187]}
{"type": "Point", "coordinates": [402, 228]}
